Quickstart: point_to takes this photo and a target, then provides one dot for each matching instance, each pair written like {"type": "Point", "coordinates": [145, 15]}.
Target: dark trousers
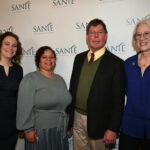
{"type": "Point", "coordinates": [8, 143]}
{"type": "Point", "coordinates": [130, 143]}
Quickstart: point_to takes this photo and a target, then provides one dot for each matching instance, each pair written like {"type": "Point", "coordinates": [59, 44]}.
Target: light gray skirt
{"type": "Point", "coordinates": [49, 139]}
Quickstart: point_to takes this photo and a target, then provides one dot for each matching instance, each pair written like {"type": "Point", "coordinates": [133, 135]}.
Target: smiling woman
{"type": "Point", "coordinates": [135, 129]}
{"type": "Point", "coordinates": [46, 61]}
{"type": "Point", "coordinates": [9, 47]}
{"type": "Point", "coordinates": [10, 76]}
{"type": "Point", "coordinates": [42, 101]}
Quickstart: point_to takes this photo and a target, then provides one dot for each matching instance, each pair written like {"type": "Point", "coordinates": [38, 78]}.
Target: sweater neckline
{"type": "Point", "coordinates": [45, 76]}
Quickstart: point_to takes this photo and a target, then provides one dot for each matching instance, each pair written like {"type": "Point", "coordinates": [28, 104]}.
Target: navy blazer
{"type": "Point", "coordinates": [106, 98]}
{"type": "Point", "coordinates": [136, 118]}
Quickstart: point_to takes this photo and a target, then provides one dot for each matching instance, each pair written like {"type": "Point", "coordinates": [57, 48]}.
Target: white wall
{"type": "Point", "coordinates": [61, 24]}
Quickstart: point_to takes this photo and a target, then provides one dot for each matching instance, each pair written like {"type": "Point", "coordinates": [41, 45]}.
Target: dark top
{"type": "Point", "coordinates": [105, 102]}
{"type": "Point", "coordinates": [8, 99]}
{"type": "Point", "coordinates": [136, 118]}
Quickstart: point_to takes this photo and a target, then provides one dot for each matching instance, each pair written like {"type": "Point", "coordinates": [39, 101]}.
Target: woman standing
{"type": "Point", "coordinates": [42, 101]}
{"type": "Point", "coordinates": [135, 129]}
{"type": "Point", "coordinates": [10, 76]}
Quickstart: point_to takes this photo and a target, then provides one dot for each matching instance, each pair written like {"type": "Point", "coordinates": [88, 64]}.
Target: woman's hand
{"type": "Point", "coordinates": [31, 136]}
{"type": "Point", "coordinates": [70, 133]}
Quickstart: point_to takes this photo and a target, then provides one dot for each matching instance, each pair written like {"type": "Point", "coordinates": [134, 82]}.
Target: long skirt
{"type": "Point", "coordinates": [49, 139]}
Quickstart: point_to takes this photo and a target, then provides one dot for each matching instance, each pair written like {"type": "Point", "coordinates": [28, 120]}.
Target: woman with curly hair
{"type": "Point", "coordinates": [41, 107]}
{"type": "Point", "coordinates": [11, 74]}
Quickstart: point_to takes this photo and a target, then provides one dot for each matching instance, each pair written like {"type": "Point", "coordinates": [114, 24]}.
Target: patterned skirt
{"type": "Point", "coordinates": [49, 139]}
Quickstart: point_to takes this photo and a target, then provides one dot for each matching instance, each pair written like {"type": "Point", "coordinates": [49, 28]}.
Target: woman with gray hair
{"type": "Point", "coordinates": [135, 129]}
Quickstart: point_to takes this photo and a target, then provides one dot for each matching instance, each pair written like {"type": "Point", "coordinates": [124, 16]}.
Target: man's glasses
{"type": "Point", "coordinates": [93, 33]}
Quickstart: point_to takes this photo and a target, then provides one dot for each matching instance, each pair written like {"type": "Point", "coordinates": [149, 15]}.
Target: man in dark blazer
{"type": "Point", "coordinates": [98, 90]}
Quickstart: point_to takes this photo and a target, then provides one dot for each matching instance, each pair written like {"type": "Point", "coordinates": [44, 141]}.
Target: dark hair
{"type": "Point", "coordinates": [95, 22]}
{"type": "Point", "coordinates": [40, 52]}
{"type": "Point", "coordinates": [18, 56]}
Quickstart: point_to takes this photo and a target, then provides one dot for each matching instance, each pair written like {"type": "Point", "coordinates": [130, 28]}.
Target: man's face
{"type": "Point", "coordinates": [96, 37]}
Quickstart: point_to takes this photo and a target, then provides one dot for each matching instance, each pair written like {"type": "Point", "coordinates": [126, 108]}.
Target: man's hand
{"type": "Point", "coordinates": [110, 137]}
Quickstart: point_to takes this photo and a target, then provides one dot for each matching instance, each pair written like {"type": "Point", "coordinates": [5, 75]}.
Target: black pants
{"type": "Point", "coordinates": [8, 143]}
{"type": "Point", "coordinates": [130, 143]}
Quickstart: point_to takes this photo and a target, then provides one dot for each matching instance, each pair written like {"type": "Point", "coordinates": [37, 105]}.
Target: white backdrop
{"type": "Point", "coordinates": [61, 24]}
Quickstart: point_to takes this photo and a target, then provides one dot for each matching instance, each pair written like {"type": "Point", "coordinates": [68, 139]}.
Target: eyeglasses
{"type": "Point", "coordinates": [145, 35]}
{"type": "Point", "coordinates": [93, 33]}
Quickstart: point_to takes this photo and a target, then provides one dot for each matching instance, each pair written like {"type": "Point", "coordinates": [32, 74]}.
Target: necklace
{"type": "Point", "coordinates": [143, 65]}
{"type": "Point", "coordinates": [143, 62]}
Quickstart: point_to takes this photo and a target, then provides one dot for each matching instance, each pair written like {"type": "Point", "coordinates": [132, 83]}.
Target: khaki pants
{"type": "Point", "coordinates": [81, 141]}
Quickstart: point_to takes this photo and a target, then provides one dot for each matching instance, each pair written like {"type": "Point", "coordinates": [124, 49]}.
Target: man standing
{"type": "Point", "coordinates": [97, 88]}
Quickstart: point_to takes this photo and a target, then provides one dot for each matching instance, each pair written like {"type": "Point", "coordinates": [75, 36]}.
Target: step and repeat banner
{"type": "Point", "coordinates": [61, 24]}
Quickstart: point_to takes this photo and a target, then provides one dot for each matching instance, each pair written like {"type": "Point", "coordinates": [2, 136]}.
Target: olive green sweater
{"type": "Point", "coordinates": [86, 78]}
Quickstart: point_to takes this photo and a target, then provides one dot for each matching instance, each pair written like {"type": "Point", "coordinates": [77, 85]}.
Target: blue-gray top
{"type": "Point", "coordinates": [42, 102]}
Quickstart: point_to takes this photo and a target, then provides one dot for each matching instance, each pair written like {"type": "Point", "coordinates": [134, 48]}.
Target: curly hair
{"type": "Point", "coordinates": [40, 52]}
{"type": "Point", "coordinates": [18, 56]}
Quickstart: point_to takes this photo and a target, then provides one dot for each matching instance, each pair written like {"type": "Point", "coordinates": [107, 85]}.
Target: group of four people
{"type": "Point", "coordinates": [93, 108]}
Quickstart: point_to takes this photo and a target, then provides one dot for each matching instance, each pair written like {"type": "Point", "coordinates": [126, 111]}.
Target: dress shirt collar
{"type": "Point", "coordinates": [97, 54]}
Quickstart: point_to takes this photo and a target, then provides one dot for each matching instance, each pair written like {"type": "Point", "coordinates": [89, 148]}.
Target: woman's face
{"type": "Point", "coordinates": [47, 61]}
{"type": "Point", "coordinates": [9, 47]}
{"type": "Point", "coordinates": [142, 37]}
